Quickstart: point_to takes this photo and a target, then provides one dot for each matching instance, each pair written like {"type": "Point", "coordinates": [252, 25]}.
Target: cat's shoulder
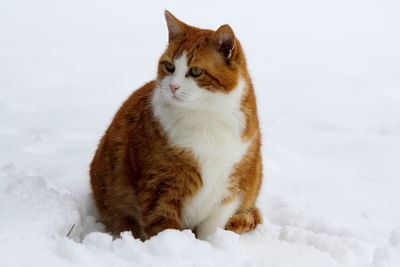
{"type": "Point", "coordinates": [143, 94]}
{"type": "Point", "coordinates": [136, 107]}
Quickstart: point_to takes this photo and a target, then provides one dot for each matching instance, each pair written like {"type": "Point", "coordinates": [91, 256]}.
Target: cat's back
{"type": "Point", "coordinates": [133, 114]}
{"type": "Point", "coordinates": [128, 125]}
{"type": "Point", "coordinates": [137, 104]}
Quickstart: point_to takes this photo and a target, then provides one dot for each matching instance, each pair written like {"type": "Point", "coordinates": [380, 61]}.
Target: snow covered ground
{"type": "Point", "coordinates": [327, 76]}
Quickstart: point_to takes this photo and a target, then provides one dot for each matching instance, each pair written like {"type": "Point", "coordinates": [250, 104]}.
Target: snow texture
{"type": "Point", "coordinates": [327, 77]}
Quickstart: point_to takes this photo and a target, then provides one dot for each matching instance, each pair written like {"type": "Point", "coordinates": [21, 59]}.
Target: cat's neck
{"type": "Point", "coordinates": [222, 121]}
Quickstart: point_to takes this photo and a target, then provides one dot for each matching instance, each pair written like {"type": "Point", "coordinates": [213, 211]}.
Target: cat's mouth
{"type": "Point", "coordinates": [176, 98]}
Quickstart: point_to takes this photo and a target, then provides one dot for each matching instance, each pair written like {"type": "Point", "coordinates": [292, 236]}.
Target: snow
{"type": "Point", "coordinates": [327, 77]}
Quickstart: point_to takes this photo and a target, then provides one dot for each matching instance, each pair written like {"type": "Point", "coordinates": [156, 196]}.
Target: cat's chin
{"type": "Point", "coordinates": [177, 101]}
{"type": "Point", "coordinates": [174, 100]}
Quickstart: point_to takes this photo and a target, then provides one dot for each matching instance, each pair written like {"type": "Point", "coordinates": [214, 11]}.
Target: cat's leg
{"type": "Point", "coordinates": [160, 220]}
{"type": "Point", "coordinates": [161, 208]}
{"type": "Point", "coordinates": [162, 193]}
{"type": "Point", "coordinates": [248, 174]}
{"type": "Point", "coordinates": [118, 223]}
{"type": "Point", "coordinates": [217, 219]}
{"type": "Point", "coordinates": [244, 220]}
{"type": "Point", "coordinates": [119, 209]}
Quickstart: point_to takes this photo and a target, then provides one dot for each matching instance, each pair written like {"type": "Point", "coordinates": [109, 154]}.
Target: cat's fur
{"type": "Point", "coordinates": [183, 152]}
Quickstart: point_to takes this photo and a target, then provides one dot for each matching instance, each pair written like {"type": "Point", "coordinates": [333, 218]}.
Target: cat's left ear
{"type": "Point", "coordinates": [176, 27]}
{"type": "Point", "coordinates": [225, 41]}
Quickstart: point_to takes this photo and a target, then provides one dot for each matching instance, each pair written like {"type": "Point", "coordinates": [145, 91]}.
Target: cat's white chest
{"type": "Point", "coordinates": [214, 138]}
{"type": "Point", "coordinates": [217, 148]}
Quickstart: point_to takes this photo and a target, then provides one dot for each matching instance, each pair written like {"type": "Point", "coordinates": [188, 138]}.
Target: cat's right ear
{"type": "Point", "coordinates": [176, 27]}
{"type": "Point", "coordinates": [225, 42]}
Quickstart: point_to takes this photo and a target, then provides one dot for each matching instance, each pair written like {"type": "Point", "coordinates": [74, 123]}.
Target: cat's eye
{"type": "Point", "coordinates": [195, 71]}
{"type": "Point", "coordinates": [170, 67]}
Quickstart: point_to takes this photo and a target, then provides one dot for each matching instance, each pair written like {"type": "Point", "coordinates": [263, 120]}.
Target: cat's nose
{"type": "Point", "coordinates": [174, 87]}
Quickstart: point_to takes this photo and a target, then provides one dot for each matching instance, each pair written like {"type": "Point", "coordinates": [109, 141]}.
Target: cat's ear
{"type": "Point", "coordinates": [176, 27]}
{"type": "Point", "coordinates": [225, 41]}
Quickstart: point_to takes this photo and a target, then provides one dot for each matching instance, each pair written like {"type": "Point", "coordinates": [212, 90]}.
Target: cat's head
{"type": "Point", "coordinates": [199, 66]}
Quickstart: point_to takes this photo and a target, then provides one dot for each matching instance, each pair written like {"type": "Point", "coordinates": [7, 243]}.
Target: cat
{"type": "Point", "coordinates": [183, 151]}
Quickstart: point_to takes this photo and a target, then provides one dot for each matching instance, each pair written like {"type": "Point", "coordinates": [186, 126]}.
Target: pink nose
{"type": "Point", "coordinates": [174, 87]}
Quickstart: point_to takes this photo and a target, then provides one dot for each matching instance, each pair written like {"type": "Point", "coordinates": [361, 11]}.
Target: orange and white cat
{"type": "Point", "coordinates": [183, 152]}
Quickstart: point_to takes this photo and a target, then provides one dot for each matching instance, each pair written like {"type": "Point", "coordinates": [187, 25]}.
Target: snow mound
{"type": "Point", "coordinates": [50, 228]}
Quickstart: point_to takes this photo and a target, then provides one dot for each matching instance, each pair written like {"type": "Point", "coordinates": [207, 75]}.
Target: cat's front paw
{"type": "Point", "coordinates": [203, 231]}
{"type": "Point", "coordinates": [244, 221]}
{"type": "Point", "coordinates": [159, 225]}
